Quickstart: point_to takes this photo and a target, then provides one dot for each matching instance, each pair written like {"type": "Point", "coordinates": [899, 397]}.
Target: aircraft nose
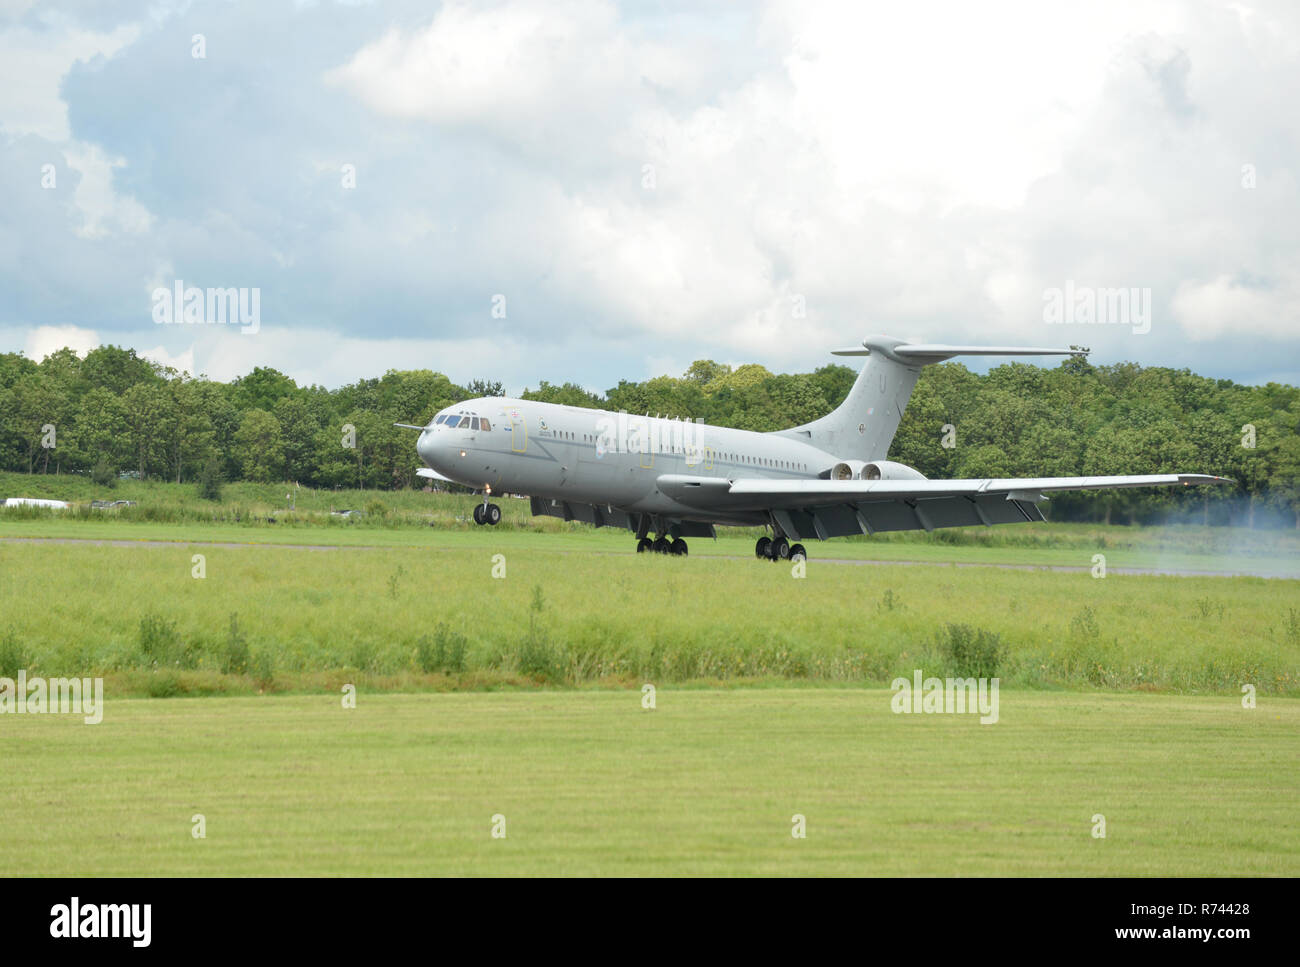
{"type": "Point", "coordinates": [427, 447]}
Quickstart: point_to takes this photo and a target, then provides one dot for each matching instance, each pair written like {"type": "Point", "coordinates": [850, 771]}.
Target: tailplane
{"type": "Point", "coordinates": [863, 426]}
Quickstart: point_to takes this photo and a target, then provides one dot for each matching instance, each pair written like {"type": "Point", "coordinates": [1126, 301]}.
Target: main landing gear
{"type": "Point", "coordinates": [779, 549]}
{"type": "Point", "coordinates": [486, 513]}
{"type": "Point", "coordinates": [665, 543]}
{"type": "Point", "coordinates": [662, 545]}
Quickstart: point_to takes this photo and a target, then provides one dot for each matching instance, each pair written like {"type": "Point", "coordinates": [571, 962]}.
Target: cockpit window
{"type": "Point", "coordinates": [452, 420]}
{"type": "Point", "coordinates": [486, 424]}
{"type": "Point", "coordinates": [473, 423]}
{"type": "Point", "coordinates": [440, 419]}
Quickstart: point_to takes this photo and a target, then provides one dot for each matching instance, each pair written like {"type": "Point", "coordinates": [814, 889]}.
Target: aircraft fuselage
{"type": "Point", "coordinates": [595, 456]}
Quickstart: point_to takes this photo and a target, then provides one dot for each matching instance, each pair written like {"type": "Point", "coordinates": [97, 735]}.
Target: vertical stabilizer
{"type": "Point", "coordinates": [863, 426]}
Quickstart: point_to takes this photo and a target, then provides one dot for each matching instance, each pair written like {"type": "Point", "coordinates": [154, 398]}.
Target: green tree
{"type": "Point", "coordinates": [116, 369]}
{"type": "Point", "coordinates": [210, 479]}
{"type": "Point", "coordinates": [1284, 478]}
{"type": "Point", "coordinates": [261, 389]}
{"type": "Point", "coordinates": [705, 371]}
{"type": "Point", "coordinates": [188, 427]}
{"type": "Point", "coordinates": [145, 407]}
{"type": "Point", "coordinates": [484, 387]}
{"type": "Point", "coordinates": [570, 394]}
{"type": "Point", "coordinates": [32, 407]}
{"type": "Point", "coordinates": [259, 447]}
{"type": "Point", "coordinates": [101, 429]}
{"type": "Point", "coordinates": [298, 429]}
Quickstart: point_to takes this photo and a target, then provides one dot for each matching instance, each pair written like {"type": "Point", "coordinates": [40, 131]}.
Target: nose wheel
{"type": "Point", "coordinates": [486, 513]}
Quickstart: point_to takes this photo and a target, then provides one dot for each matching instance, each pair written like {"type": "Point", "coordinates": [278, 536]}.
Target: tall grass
{"type": "Point", "coordinates": [275, 617]}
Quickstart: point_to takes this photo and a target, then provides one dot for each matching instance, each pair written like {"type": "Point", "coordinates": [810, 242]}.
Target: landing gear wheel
{"type": "Point", "coordinates": [797, 553]}
{"type": "Point", "coordinates": [478, 513]}
{"type": "Point", "coordinates": [643, 545]}
{"type": "Point", "coordinates": [678, 547]}
{"type": "Point", "coordinates": [660, 545]}
{"type": "Point", "coordinates": [780, 549]}
{"type": "Point", "coordinates": [764, 547]}
{"type": "Point", "coordinates": [492, 514]}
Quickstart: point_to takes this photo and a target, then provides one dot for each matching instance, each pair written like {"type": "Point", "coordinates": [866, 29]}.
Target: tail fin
{"type": "Point", "coordinates": [863, 426]}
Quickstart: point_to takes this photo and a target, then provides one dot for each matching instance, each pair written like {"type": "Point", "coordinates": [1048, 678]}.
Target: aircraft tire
{"type": "Point", "coordinates": [643, 545]}
{"type": "Point", "coordinates": [493, 515]}
{"type": "Point", "coordinates": [478, 513]}
{"type": "Point", "coordinates": [763, 548]}
{"type": "Point", "coordinates": [797, 553]}
{"type": "Point", "coordinates": [678, 547]}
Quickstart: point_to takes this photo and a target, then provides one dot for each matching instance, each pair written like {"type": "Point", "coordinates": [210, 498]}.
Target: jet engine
{"type": "Point", "coordinates": [888, 470]}
{"type": "Point", "coordinates": [846, 470]}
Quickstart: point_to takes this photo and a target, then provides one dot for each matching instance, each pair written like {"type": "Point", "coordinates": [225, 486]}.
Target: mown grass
{"type": "Point", "coordinates": [706, 783]}
{"type": "Point", "coordinates": [286, 619]}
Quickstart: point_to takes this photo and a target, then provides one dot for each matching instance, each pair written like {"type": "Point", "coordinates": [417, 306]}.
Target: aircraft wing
{"type": "Point", "coordinates": [836, 508]}
{"type": "Point", "coordinates": [432, 474]}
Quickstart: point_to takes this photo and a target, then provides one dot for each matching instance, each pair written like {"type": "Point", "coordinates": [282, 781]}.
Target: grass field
{"type": "Point", "coordinates": [258, 513]}
{"type": "Point", "coordinates": [1035, 545]}
{"type": "Point", "coordinates": [520, 695]}
{"type": "Point", "coordinates": [278, 618]}
{"type": "Point", "coordinates": [589, 782]}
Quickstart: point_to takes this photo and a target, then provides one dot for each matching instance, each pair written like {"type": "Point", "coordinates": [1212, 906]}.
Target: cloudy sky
{"type": "Point", "coordinates": [637, 185]}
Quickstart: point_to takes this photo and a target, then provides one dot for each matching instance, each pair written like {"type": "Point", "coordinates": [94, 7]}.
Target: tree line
{"type": "Point", "coordinates": [114, 412]}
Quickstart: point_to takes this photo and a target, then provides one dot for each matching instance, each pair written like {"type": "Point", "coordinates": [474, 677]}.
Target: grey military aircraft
{"type": "Point", "coordinates": [677, 479]}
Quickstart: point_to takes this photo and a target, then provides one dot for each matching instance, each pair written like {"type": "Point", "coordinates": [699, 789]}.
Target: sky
{"type": "Point", "coordinates": [589, 191]}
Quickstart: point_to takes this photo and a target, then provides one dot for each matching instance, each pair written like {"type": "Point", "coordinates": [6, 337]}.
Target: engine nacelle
{"type": "Point", "coordinates": [888, 470]}
{"type": "Point", "coordinates": [846, 470]}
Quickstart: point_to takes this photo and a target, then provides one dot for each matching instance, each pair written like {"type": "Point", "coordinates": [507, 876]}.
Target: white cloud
{"type": "Point", "coordinates": [104, 211]}
{"type": "Point", "coordinates": [517, 68]}
{"type": "Point", "coordinates": [36, 61]}
{"type": "Point", "coordinates": [1227, 306]}
{"type": "Point", "coordinates": [310, 355]}
{"type": "Point", "coordinates": [927, 168]}
{"type": "Point", "coordinates": [182, 362]}
{"type": "Point", "coordinates": [889, 173]}
{"type": "Point", "coordinates": [43, 340]}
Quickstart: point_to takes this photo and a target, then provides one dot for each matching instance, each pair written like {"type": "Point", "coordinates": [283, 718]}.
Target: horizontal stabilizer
{"type": "Point", "coordinates": [927, 353]}
{"type": "Point", "coordinates": [936, 354]}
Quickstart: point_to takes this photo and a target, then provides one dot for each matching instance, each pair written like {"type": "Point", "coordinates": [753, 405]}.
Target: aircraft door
{"type": "Point", "coordinates": [518, 432]}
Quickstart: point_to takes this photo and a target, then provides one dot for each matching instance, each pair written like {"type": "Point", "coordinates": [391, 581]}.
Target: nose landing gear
{"type": "Point", "coordinates": [486, 513]}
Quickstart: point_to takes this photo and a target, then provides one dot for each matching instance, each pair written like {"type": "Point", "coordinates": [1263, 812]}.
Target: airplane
{"type": "Point", "coordinates": [677, 478]}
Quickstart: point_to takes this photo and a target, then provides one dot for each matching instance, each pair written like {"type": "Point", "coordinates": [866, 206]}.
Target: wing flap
{"type": "Point", "coordinates": [836, 508]}
{"type": "Point", "coordinates": [599, 515]}
{"type": "Point", "coordinates": [883, 516]}
{"type": "Point", "coordinates": [796, 492]}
